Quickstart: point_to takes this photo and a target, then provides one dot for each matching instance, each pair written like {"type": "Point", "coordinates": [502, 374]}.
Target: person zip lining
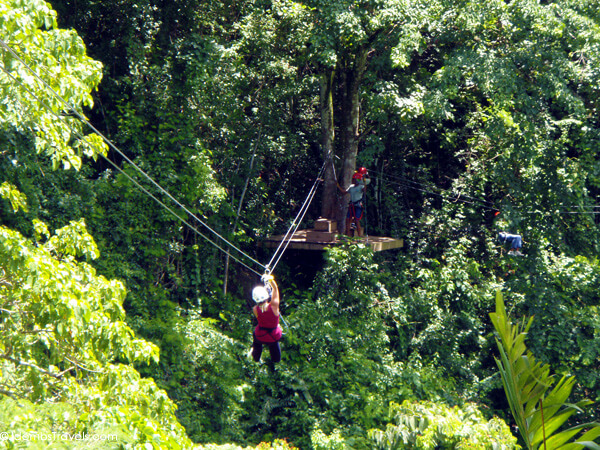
{"type": "Point", "coordinates": [514, 240]}
{"type": "Point", "coordinates": [268, 331]}
{"type": "Point", "coordinates": [356, 191]}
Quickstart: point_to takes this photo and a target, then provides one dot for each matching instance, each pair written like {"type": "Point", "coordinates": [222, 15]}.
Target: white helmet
{"type": "Point", "coordinates": [260, 294]}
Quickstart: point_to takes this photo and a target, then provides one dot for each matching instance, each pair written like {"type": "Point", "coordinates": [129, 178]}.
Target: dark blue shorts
{"type": "Point", "coordinates": [354, 212]}
{"type": "Point", "coordinates": [514, 240]}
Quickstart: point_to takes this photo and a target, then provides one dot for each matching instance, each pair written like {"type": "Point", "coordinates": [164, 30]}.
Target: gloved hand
{"type": "Point", "coordinates": [267, 278]}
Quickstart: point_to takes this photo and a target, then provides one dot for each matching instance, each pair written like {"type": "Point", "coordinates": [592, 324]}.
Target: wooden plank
{"type": "Point", "coordinates": [327, 225]}
{"type": "Point", "coordinates": [385, 243]}
{"type": "Point", "coordinates": [319, 236]}
{"type": "Point", "coordinates": [320, 240]}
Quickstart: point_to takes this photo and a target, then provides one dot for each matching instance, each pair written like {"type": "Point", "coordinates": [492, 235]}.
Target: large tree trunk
{"type": "Point", "coordinates": [329, 202]}
{"type": "Point", "coordinates": [351, 74]}
{"type": "Point", "coordinates": [351, 79]}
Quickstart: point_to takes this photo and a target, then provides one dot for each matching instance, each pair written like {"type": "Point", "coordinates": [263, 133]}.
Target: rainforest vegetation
{"type": "Point", "coordinates": [149, 147]}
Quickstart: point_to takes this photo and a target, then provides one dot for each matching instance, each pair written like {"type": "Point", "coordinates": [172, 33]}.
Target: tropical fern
{"type": "Point", "coordinates": [537, 401]}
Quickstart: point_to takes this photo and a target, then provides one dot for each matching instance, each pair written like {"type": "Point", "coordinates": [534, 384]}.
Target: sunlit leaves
{"type": "Point", "coordinates": [73, 240]}
{"type": "Point", "coordinates": [427, 425]}
{"type": "Point", "coordinates": [63, 338]}
{"type": "Point", "coordinates": [17, 199]}
{"type": "Point", "coordinates": [45, 76]}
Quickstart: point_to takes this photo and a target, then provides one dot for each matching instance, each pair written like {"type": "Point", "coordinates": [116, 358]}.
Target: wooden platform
{"type": "Point", "coordinates": [325, 235]}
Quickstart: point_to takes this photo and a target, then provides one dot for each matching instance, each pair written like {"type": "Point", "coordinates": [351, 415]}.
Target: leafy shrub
{"type": "Point", "coordinates": [64, 341]}
{"type": "Point", "coordinates": [277, 444]}
{"type": "Point", "coordinates": [333, 441]}
{"type": "Point", "coordinates": [428, 425]}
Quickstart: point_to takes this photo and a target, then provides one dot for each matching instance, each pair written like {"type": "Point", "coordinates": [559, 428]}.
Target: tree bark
{"type": "Point", "coordinates": [351, 79]}
{"type": "Point", "coordinates": [329, 203]}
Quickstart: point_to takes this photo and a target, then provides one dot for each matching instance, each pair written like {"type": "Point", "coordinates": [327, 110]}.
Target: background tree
{"type": "Point", "coordinates": [465, 109]}
{"type": "Point", "coordinates": [63, 339]}
{"type": "Point", "coordinates": [65, 348]}
{"type": "Point", "coordinates": [31, 40]}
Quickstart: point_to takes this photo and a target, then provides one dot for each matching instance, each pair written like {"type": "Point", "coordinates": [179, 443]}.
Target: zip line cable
{"type": "Point", "coordinates": [592, 212]}
{"type": "Point", "coordinates": [484, 203]}
{"type": "Point", "coordinates": [178, 217]}
{"type": "Point", "coordinates": [403, 182]}
{"type": "Point", "coordinates": [239, 210]}
{"type": "Point", "coordinates": [268, 268]}
{"type": "Point", "coordinates": [415, 185]}
{"type": "Point", "coordinates": [296, 222]}
{"type": "Point", "coordinates": [135, 182]}
{"type": "Point", "coordinates": [114, 147]}
{"type": "Point", "coordinates": [454, 198]}
{"type": "Point", "coordinates": [410, 184]}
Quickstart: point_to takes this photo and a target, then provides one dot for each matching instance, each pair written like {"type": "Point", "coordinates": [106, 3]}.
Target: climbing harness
{"type": "Point", "coordinates": [267, 290]}
{"type": "Point", "coordinates": [286, 327]}
{"type": "Point", "coordinates": [355, 220]}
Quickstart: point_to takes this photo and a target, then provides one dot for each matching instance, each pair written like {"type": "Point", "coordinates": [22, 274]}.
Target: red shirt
{"type": "Point", "coordinates": [268, 329]}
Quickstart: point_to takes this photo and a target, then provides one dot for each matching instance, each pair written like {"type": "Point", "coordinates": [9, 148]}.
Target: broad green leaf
{"type": "Point", "coordinates": [534, 397]}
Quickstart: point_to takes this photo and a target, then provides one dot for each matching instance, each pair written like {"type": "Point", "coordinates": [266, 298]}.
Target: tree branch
{"type": "Point", "coordinates": [79, 366]}
{"type": "Point", "coordinates": [35, 367]}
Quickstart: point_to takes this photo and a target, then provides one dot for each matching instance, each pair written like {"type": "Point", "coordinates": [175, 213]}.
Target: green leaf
{"type": "Point", "coordinates": [537, 403]}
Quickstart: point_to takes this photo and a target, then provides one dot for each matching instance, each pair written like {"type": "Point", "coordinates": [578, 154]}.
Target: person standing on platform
{"type": "Point", "coordinates": [356, 191]}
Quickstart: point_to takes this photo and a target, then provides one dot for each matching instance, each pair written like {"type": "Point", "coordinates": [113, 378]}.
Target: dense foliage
{"type": "Point", "coordinates": [539, 401]}
{"type": "Point", "coordinates": [472, 117]}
